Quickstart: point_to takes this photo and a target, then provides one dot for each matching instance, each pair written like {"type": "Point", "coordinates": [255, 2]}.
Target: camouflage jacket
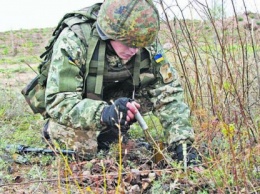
{"type": "Point", "coordinates": [66, 105]}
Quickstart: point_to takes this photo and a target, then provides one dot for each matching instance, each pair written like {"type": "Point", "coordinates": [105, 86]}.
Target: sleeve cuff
{"type": "Point", "coordinates": [98, 116]}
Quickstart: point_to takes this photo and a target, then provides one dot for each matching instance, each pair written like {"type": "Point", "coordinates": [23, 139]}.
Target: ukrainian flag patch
{"type": "Point", "coordinates": [158, 58]}
{"type": "Point", "coordinates": [71, 61]}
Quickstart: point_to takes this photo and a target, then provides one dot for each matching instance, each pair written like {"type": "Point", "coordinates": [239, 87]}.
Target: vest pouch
{"type": "Point", "coordinates": [34, 94]}
{"type": "Point", "coordinates": [146, 79]}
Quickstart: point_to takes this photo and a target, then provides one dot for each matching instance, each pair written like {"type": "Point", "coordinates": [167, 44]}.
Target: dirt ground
{"type": "Point", "coordinates": [15, 77]}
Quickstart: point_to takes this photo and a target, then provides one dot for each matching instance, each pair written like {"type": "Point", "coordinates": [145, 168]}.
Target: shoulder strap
{"type": "Point", "coordinates": [136, 72]}
{"type": "Point", "coordinates": [101, 67]}
{"type": "Point", "coordinates": [94, 43]}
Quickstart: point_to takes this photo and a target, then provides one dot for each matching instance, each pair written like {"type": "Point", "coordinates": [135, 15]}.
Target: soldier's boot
{"type": "Point", "coordinates": [45, 134]}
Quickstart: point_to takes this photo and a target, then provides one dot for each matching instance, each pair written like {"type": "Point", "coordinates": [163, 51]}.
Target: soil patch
{"type": "Point", "coordinates": [15, 77]}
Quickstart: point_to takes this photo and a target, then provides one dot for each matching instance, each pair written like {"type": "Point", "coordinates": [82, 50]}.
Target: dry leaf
{"type": "Point", "coordinates": [135, 189]}
{"type": "Point", "coordinates": [145, 185]}
{"type": "Point", "coordinates": [128, 178]}
{"type": "Point", "coordinates": [152, 176]}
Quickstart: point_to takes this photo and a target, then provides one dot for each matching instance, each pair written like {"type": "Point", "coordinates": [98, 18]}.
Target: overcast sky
{"type": "Point", "coordinates": [26, 14]}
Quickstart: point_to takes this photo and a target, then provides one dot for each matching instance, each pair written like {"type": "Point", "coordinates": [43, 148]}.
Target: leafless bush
{"type": "Point", "coordinates": [218, 59]}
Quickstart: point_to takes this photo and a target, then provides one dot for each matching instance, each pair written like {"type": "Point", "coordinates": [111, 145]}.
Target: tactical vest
{"type": "Point", "coordinates": [101, 74]}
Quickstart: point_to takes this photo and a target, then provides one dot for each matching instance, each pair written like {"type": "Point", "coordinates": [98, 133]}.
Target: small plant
{"type": "Point", "coordinates": [163, 184]}
{"type": "Point", "coordinates": [206, 27]}
{"type": "Point", "coordinates": [36, 173]}
{"type": "Point", "coordinates": [154, 126]}
{"type": "Point", "coordinates": [252, 15]}
{"type": "Point", "coordinates": [5, 51]}
{"type": "Point", "coordinates": [240, 19]}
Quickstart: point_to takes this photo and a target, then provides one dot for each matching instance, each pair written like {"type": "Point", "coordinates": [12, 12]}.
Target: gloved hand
{"type": "Point", "coordinates": [193, 158]}
{"type": "Point", "coordinates": [121, 112]}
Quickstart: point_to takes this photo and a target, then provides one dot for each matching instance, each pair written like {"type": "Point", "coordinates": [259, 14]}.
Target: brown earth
{"type": "Point", "coordinates": [16, 79]}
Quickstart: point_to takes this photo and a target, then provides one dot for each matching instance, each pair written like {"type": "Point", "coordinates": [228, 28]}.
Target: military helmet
{"type": "Point", "coordinates": [135, 23]}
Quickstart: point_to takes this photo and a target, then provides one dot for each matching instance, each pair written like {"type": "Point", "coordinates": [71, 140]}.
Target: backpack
{"type": "Point", "coordinates": [80, 23]}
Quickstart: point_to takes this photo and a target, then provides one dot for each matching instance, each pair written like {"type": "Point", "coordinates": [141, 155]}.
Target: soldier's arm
{"type": "Point", "coordinates": [64, 102]}
{"type": "Point", "coordinates": [168, 101]}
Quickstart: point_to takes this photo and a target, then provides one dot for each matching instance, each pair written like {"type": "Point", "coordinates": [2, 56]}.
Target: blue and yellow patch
{"type": "Point", "coordinates": [158, 58]}
{"type": "Point", "coordinates": [71, 61]}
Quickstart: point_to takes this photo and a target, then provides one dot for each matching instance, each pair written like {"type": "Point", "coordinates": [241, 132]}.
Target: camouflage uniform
{"type": "Point", "coordinates": [75, 120]}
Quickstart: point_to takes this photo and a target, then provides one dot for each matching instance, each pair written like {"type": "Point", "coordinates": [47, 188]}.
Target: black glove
{"type": "Point", "coordinates": [111, 114]}
{"type": "Point", "coordinates": [193, 158]}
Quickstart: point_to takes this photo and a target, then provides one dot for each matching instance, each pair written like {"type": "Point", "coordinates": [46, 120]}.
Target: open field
{"type": "Point", "coordinates": [218, 62]}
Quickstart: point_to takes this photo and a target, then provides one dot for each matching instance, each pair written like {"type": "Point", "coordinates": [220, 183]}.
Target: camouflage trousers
{"type": "Point", "coordinates": [83, 142]}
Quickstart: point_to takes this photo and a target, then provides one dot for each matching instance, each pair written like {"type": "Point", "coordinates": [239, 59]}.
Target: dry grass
{"type": "Point", "coordinates": [218, 62]}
